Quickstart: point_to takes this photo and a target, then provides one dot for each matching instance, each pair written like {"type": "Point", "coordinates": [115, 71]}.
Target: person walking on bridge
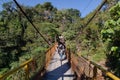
{"type": "Point", "coordinates": [61, 48]}
{"type": "Point", "coordinates": [59, 67]}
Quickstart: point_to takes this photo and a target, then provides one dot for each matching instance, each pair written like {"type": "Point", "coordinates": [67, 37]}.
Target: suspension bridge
{"type": "Point", "coordinates": [71, 67]}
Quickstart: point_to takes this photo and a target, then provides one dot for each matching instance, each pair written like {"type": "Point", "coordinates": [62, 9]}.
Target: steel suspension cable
{"type": "Point", "coordinates": [89, 20]}
{"type": "Point", "coordinates": [31, 22]}
{"type": "Point", "coordinates": [102, 4]}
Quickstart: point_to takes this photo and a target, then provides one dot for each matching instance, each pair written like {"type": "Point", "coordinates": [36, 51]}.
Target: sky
{"type": "Point", "coordinates": [84, 6]}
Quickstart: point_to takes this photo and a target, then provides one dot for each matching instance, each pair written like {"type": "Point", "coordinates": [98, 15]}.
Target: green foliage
{"type": "Point", "coordinates": [111, 30]}
{"type": "Point", "coordinates": [99, 57]}
{"type": "Point", "coordinates": [111, 35]}
{"type": "Point", "coordinates": [48, 6]}
{"type": "Point", "coordinates": [114, 49]}
{"type": "Point", "coordinates": [69, 35]}
{"type": "Point", "coordinates": [73, 12]}
{"type": "Point", "coordinates": [3, 70]}
{"type": "Point", "coordinates": [71, 45]}
{"type": "Point", "coordinates": [115, 12]}
{"type": "Point", "coordinates": [19, 41]}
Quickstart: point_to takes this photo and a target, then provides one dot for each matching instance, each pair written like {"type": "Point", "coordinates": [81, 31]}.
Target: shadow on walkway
{"type": "Point", "coordinates": [58, 72]}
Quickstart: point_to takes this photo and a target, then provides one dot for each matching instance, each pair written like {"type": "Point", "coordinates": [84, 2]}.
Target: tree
{"type": "Point", "coordinates": [73, 12]}
{"type": "Point", "coordinates": [111, 36]}
{"type": "Point", "coordinates": [48, 6]}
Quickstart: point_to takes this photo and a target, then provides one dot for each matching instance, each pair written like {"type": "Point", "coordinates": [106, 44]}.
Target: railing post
{"type": "Point", "coordinates": [69, 53]}
{"type": "Point", "coordinates": [1, 77]}
{"type": "Point", "coordinates": [94, 73]}
{"type": "Point", "coordinates": [26, 68]}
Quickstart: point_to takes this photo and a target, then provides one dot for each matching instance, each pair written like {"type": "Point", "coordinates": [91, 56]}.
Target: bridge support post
{"type": "Point", "coordinates": [94, 73]}
{"type": "Point", "coordinates": [26, 68]}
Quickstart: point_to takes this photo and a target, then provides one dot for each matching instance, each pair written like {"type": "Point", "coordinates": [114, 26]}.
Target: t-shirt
{"type": "Point", "coordinates": [61, 51]}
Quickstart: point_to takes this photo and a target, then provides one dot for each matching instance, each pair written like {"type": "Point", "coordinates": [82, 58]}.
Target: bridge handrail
{"type": "Point", "coordinates": [24, 65]}
{"type": "Point", "coordinates": [109, 74]}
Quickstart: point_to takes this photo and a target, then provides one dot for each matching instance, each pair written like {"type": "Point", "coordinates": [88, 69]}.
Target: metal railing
{"type": "Point", "coordinates": [89, 69]}
{"type": "Point", "coordinates": [27, 70]}
{"type": "Point", "coordinates": [80, 64]}
{"type": "Point", "coordinates": [107, 73]}
{"type": "Point", "coordinates": [24, 66]}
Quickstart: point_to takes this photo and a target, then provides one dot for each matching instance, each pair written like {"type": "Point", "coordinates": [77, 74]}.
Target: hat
{"type": "Point", "coordinates": [60, 37]}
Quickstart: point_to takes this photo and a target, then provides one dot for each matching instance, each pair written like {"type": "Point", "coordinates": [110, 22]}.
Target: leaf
{"type": "Point", "coordinates": [114, 48]}
{"type": "Point", "coordinates": [110, 31]}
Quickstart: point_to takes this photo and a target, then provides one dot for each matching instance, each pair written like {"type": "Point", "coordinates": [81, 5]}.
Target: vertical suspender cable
{"type": "Point", "coordinates": [86, 6]}
{"type": "Point", "coordinates": [31, 22]}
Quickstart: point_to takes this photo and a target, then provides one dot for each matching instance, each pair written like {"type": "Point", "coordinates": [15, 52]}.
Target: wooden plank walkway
{"type": "Point", "coordinates": [59, 69]}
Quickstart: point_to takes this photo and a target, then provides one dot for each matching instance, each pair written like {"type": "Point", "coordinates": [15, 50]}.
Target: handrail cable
{"type": "Point", "coordinates": [2, 77]}
{"type": "Point", "coordinates": [23, 65]}
{"type": "Point", "coordinates": [31, 22]}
